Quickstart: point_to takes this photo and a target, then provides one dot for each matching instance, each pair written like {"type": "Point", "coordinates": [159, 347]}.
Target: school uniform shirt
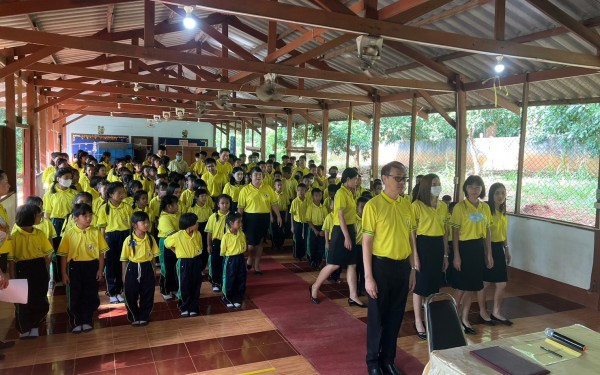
{"type": "Point", "coordinates": [75, 166]}
{"type": "Point", "coordinates": [257, 201]}
{"type": "Point", "coordinates": [154, 206]}
{"type": "Point", "coordinates": [112, 176]}
{"type": "Point", "coordinates": [185, 246]}
{"type": "Point", "coordinates": [117, 218]}
{"type": "Point", "coordinates": [162, 170]}
{"type": "Point", "coordinates": [128, 201]}
{"type": "Point", "coordinates": [359, 232]}
{"type": "Point", "coordinates": [167, 224]}
{"type": "Point", "coordinates": [359, 191]}
{"type": "Point", "coordinates": [315, 214]}
{"type": "Point", "coordinates": [268, 179]}
{"type": "Point", "coordinates": [149, 187]}
{"type": "Point", "coordinates": [224, 168]}
{"type": "Point", "coordinates": [472, 222]}
{"type": "Point", "coordinates": [186, 199]}
{"type": "Point", "coordinates": [290, 185]}
{"type": "Point", "coordinates": [216, 225]}
{"type": "Point", "coordinates": [344, 200]}
{"type": "Point", "coordinates": [139, 250]}
{"type": "Point", "coordinates": [298, 209]}
{"type": "Point", "coordinates": [389, 222]}
{"type": "Point", "coordinates": [108, 165]}
{"type": "Point", "coordinates": [214, 183]}
{"type": "Point", "coordinates": [304, 171]}
{"type": "Point", "coordinates": [46, 226]}
{"type": "Point", "coordinates": [233, 244]}
{"type": "Point", "coordinates": [283, 200]}
{"type": "Point", "coordinates": [203, 212]}
{"type": "Point", "coordinates": [26, 246]}
{"type": "Point", "coordinates": [48, 177]}
{"type": "Point", "coordinates": [96, 204]}
{"type": "Point", "coordinates": [180, 167]}
{"type": "Point", "coordinates": [129, 166]}
{"type": "Point", "coordinates": [430, 221]}
{"type": "Point", "coordinates": [84, 182]}
{"type": "Point", "coordinates": [328, 225]}
{"type": "Point", "coordinates": [59, 204]}
{"type": "Point", "coordinates": [233, 191]}
{"type": "Point", "coordinates": [80, 245]}
{"type": "Point", "coordinates": [499, 227]}
{"type": "Point", "coordinates": [199, 168]}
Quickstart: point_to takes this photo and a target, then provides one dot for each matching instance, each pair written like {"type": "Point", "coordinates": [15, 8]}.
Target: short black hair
{"type": "Point", "coordinates": [26, 214]}
{"type": "Point", "coordinates": [139, 216]}
{"type": "Point", "coordinates": [81, 209]}
{"type": "Point", "coordinates": [363, 200]}
{"type": "Point", "coordinates": [187, 220]}
{"type": "Point", "coordinates": [316, 190]}
{"type": "Point", "coordinates": [232, 218]}
{"type": "Point", "coordinates": [474, 180]}
{"type": "Point", "coordinates": [34, 199]}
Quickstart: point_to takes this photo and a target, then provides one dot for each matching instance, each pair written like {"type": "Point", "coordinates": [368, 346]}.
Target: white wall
{"type": "Point", "coordinates": [137, 127]}
{"type": "Point", "coordinates": [560, 252]}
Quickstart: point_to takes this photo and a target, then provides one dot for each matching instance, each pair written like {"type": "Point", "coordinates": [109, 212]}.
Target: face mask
{"type": "Point", "coordinates": [178, 157]}
{"type": "Point", "coordinates": [436, 191]}
{"type": "Point", "coordinates": [65, 183]}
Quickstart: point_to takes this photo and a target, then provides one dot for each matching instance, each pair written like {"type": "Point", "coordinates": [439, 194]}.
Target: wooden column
{"type": "Point", "coordinates": [214, 135]}
{"type": "Point", "coordinates": [149, 15]}
{"type": "Point", "coordinates": [252, 133]}
{"type": "Point", "coordinates": [243, 137]}
{"type": "Point", "coordinates": [411, 150]}
{"type": "Point", "coordinates": [375, 139]}
{"type": "Point", "coordinates": [275, 142]}
{"type": "Point", "coordinates": [350, 118]}
{"type": "Point", "coordinates": [521, 159]}
{"type": "Point", "coordinates": [325, 137]}
{"type": "Point", "coordinates": [263, 138]}
{"type": "Point", "coordinates": [44, 157]}
{"type": "Point", "coordinates": [33, 136]}
{"type": "Point", "coordinates": [305, 137]}
{"type": "Point", "coordinates": [461, 140]}
{"type": "Point", "coordinates": [228, 137]}
{"type": "Point", "coordinates": [9, 156]}
{"type": "Point", "coordinates": [290, 123]}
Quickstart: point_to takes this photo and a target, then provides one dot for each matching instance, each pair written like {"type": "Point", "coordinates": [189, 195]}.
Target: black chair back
{"type": "Point", "coordinates": [444, 328]}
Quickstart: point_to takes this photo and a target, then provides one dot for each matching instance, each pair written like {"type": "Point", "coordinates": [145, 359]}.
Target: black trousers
{"type": "Point", "coordinates": [204, 255]}
{"type": "Point", "coordinates": [386, 312]}
{"type": "Point", "coordinates": [360, 269]}
{"type": "Point", "coordinates": [215, 264]}
{"type": "Point", "coordinates": [58, 226]}
{"type": "Point", "coordinates": [31, 314]}
{"type": "Point", "coordinates": [139, 290]}
{"type": "Point", "coordinates": [279, 231]}
{"type": "Point", "coordinates": [82, 292]}
{"type": "Point", "coordinates": [315, 246]}
{"type": "Point", "coordinates": [168, 270]}
{"type": "Point", "coordinates": [189, 272]}
{"type": "Point", "coordinates": [299, 240]}
{"type": "Point", "coordinates": [234, 278]}
{"type": "Point", "coordinates": [113, 270]}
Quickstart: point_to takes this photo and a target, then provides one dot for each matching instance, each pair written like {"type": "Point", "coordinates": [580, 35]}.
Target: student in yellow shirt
{"type": "Point", "coordinates": [137, 259]}
{"type": "Point", "coordinates": [283, 202]}
{"type": "Point", "coordinates": [234, 186]}
{"type": "Point", "coordinates": [168, 224]}
{"type": "Point", "coordinates": [377, 187]}
{"type": "Point", "coordinates": [290, 185]}
{"type": "Point", "coordinates": [215, 229]}
{"type": "Point", "coordinates": [222, 163]}
{"type": "Point", "coordinates": [215, 180]}
{"type": "Point", "coordinates": [187, 246]}
{"type": "Point", "coordinates": [327, 227]}
{"type": "Point", "coordinates": [497, 275]}
{"type": "Point", "coordinates": [141, 204]}
{"type": "Point", "coordinates": [48, 174]}
{"type": "Point", "coordinates": [85, 178]}
{"type": "Point", "coordinates": [315, 238]}
{"type": "Point", "coordinates": [233, 247]}
{"type": "Point", "coordinates": [360, 268]}
{"type": "Point", "coordinates": [203, 209]}
{"type": "Point", "coordinates": [298, 222]}
{"type": "Point", "coordinates": [101, 171]}
{"type": "Point", "coordinates": [471, 220]}
{"type": "Point", "coordinates": [198, 166]}
{"type": "Point", "coordinates": [82, 252]}
{"type": "Point", "coordinates": [114, 223]}
{"type": "Point", "coordinates": [132, 187]}
{"type": "Point", "coordinates": [82, 197]}
{"type": "Point", "coordinates": [105, 160]}
{"type": "Point", "coordinates": [154, 205]}
{"type": "Point", "coordinates": [29, 254]}
{"type": "Point", "coordinates": [187, 196]}
{"type": "Point", "coordinates": [45, 225]}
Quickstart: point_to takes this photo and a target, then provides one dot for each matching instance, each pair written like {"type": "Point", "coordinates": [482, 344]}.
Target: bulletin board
{"type": "Point", "coordinates": [89, 142]}
{"type": "Point", "coordinates": [182, 142]}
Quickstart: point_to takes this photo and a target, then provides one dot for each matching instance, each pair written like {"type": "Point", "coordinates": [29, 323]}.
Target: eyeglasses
{"type": "Point", "coordinates": [398, 178]}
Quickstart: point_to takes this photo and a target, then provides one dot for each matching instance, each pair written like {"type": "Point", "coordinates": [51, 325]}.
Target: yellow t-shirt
{"type": "Point", "coordinates": [327, 203]}
{"type": "Point", "coordinates": [84, 181]}
{"type": "Point", "coordinates": [315, 214]}
{"type": "Point", "coordinates": [257, 201]}
{"type": "Point", "coordinates": [233, 244]}
{"type": "Point", "coordinates": [298, 209]}
{"type": "Point", "coordinates": [149, 187]}
{"type": "Point", "coordinates": [186, 199]}
{"type": "Point", "coordinates": [82, 245]}
{"type": "Point", "coordinates": [112, 176]}
{"type": "Point", "coordinates": [328, 225]}
{"type": "Point", "coordinates": [185, 246]}
{"type": "Point", "coordinates": [59, 205]}
{"type": "Point", "coordinates": [389, 222]}
{"type": "Point", "coordinates": [46, 226]}
{"type": "Point", "coordinates": [233, 191]}
{"type": "Point", "coordinates": [203, 212]}
{"type": "Point", "coordinates": [167, 224]}
{"type": "Point", "coordinates": [499, 227]}
{"type": "Point", "coordinates": [359, 232]}
{"type": "Point", "coordinates": [430, 221]}
{"type": "Point", "coordinates": [198, 167]}
{"type": "Point", "coordinates": [268, 179]}
{"type": "Point", "coordinates": [162, 170]}
{"type": "Point", "coordinates": [283, 200]}
{"type": "Point", "coordinates": [142, 250]}
{"type": "Point", "coordinates": [117, 218]}
{"type": "Point", "coordinates": [472, 222]}
{"type": "Point", "coordinates": [154, 206]}
{"type": "Point", "coordinates": [290, 185]}
{"type": "Point", "coordinates": [225, 168]}
{"type": "Point", "coordinates": [26, 246]}
{"type": "Point", "coordinates": [344, 201]}
{"type": "Point", "coordinates": [304, 171]}
{"type": "Point", "coordinates": [216, 225]}
{"type": "Point", "coordinates": [128, 201]}
{"type": "Point", "coordinates": [214, 183]}
{"type": "Point", "coordinates": [48, 176]}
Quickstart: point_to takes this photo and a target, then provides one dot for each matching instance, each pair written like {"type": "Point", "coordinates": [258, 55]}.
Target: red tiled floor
{"type": "Point", "coordinates": [235, 342]}
{"type": "Point", "coordinates": [178, 366]}
{"type": "Point", "coordinates": [162, 353]}
{"type": "Point", "coordinates": [159, 315]}
{"type": "Point", "coordinates": [278, 350]}
{"type": "Point", "coordinates": [201, 347]}
{"type": "Point", "coordinates": [245, 355]}
{"type": "Point", "coordinates": [96, 363]}
{"type": "Point", "coordinates": [265, 338]}
{"type": "Point", "coordinates": [25, 370]}
{"type": "Point", "coordinates": [133, 357]}
{"type": "Point", "coordinates": [58, 368]}
{"type": "Point", "coordinates": [211, 361]}
{"type": "Point", "coordinates": [145, 369]}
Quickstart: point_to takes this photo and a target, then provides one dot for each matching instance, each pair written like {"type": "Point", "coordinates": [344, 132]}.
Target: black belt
{"type": "Point", "coordinates": [385, 259]}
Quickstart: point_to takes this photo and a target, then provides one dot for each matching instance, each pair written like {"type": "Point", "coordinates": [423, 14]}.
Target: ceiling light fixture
{"type": "Point", "coordinates": [499, 68]}
{"type": "Point", "coordinates": [136, 87]}
{"type": "Point", "coordinates": [188, 21]}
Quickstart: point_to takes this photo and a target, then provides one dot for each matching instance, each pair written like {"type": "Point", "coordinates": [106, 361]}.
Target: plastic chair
{"type": "Point", "coordinates": [444, 327]}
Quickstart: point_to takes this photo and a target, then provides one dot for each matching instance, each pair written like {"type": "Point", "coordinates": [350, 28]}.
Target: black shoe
{"type": "Point", "coordinates": [421, 335]}
{"type": "Point", "coordinates": [2, 356]}
{"type": "Point", "coordinates": [506, 322]}
{"type": "Point", "coordinates": [375, 371]}
{"type": "Point", "coordinates": [352, 302]}
{"type": "Point", "coordinates": [390, 369]}
{"type": "Point", "coordinates": [469, 330]}
{"type": "Point", "coordinates": [488, 322]}
{"type": "Point", "coordinates": [248, 267]}
{"type": "Point", "coordinates": [259, 273]}
{"type": "Point", "coordinates": [313, 299]}
{"type": "Point", "coordinates": [6, 344]}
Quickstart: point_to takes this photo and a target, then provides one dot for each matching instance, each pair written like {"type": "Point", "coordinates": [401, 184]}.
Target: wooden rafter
{"type": "Point", "coordinates": [64, 96]}
{"type": "Point", "coordinates": [38, 6]}
{"type": "Point", "coordinates": [27, 61]}
{"type": "Point", "coordinates": [410, 13]}
{"type": "Point", "coordinates": [439, 109]}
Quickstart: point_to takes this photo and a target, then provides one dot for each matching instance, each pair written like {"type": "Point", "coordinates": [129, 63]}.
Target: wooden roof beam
{"type": "Point", "coordinates": [110, 17]}
{"type": "Point", "coordinates": [27, 61]}
{"type": "Point", "coordinates": [405, 11]}
{"type": "Point", "coordinates": [438, 108]}
{"type": "Point", "coordinates": [38, 6]}
{"type": "Point", "coordinates": [66, 114]}
{"type": "Point", "coordinates": [73, 120]}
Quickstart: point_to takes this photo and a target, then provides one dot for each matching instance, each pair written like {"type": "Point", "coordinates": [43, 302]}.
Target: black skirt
{"type": "Point", "coordinates": [256, 227]}
{"type": "Point", "coordinates": [431, 260]}
{"type": "Point", "coordinates": [470, 276]}
{"type": "Point", "coordinates": [498, 273]}
{"type": "Point", "coordinates": [338, 254]}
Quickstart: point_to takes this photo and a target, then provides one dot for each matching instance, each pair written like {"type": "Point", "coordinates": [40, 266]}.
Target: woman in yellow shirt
{"type": "Point", "coordinates": [234, 186]}
{"type": "Point", "coordinates": [431, 215]}
{"type": "Point", "coordinates": [497, 275]}
{"type": "Point", "coordinates": [470, 221]}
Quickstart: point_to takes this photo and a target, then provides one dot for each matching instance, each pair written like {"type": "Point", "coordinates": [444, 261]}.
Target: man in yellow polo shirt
{"type": "Point", "coordinates": [390, 265]}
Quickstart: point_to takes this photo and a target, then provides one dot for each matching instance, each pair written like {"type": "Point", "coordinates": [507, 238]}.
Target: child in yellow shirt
{"type": "Point", "coordinates": [283, 203]}
{"type": "Point", "coordinates": [203, 209]}
{"type": "Point", "coordinates": [216, 229]}
{"type": "Point", "coordinates": [233, 247]}
{"type": "Point", "coordinates": [315, 238]}
{"type": "Point", "coordinates": [298, 219]}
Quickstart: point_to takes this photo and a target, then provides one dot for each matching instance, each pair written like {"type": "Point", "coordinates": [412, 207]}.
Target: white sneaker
{"type": "Point", "coordinates": [24, 335]}
{"type": "Point", "coordinates": [143, 323]}
{"type": "Point", "coordinates": [35, 332]}
{"type": "Point", "coordinates": [167, 297]}
{"type": "Point", "coordinates": [237, 305]}
{"type": "Point", "coordinates": [185, 313]}
{"type": "Point", "coordinates": [113, 300]}
{"type": "Point", "coordinates": [86, 328]}
{"type": "Point", "coordinates": [230, 306]}
{"type": "Point", "coordinates": [136, 323]}
{"type": "Point", "coordinates": [174, 295]}
{"type": "Point", "coordinates": [77, 329]}
{"type": "Point", "coordinates": [120, 298]}
{"type": "Point", "coordinates": [216, 289]}
{"type": "Point", "coordinates": [193, 313]}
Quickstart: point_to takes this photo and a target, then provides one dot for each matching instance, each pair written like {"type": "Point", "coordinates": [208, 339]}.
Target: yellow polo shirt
{"type": "Point", "coordinates": [298, 209]}
{"type": "Point", "coordinates": [471, 221]}
{"type": "Point", "coordinates": [499, 227]}
{"type": "Point", "coordinates": [198, 167]}
{"type": "Point", "coordinates": [233, 244]}
{"type": "Point", "coordinates": [203, 212]}
{"type": "Point", "coordinates": [290, 185]}
{"type": "Point", "coordinates": [154, 206]}
{"type": "Point", "coordinates": [225, 168]}
{"type": "Point", "coordinates": [283, 200]}
{"type": "Point", "coordinates": [45, 226]}
{"type": "Point", "coordinates": [84, 181]}
{"type": "Point", "coordinates": [26, 246]}
{"type": "Point", "coordinates": [48, 176]}
{"type": "Point", "coordinates": [359, 231]}
{"type": "Point", "coordinates": [344, 201]}
{"type": "Point", "coordinates": [257, 201]}
{"type": "Point", "coordinates": [167, 224]}
{"type": "Point", "coordinates": [186, 199]}
{"type": "Point", "coordinates": [82, 245]}
{"type": "Point", "coordinates": [315, 214]}
{"type": "Point", "coordinates": [117, 219]}
{"type": "Point", "coordinates": [389, 222]}
{"type": "Point", "coordinates": [185, 246]}
{"type": "Point", "coordinates": [268, 179]}
{"type": "Point", "coordinates": [233, 191]}
{"type": "Point", "coordinates": [328, 225]}
{"type": "Point", "coordinates": [60, 204]}
{"type": "Point", "coordinates": [142, 250]}
{"type": "Point", "coordinates": [216, 225]}
{"type": "Point", "coordinates": [214, 183]}
{"type": "Point", "coordinates": [430, 221]}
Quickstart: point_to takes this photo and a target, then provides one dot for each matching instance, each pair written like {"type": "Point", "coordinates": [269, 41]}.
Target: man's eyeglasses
{"type": "Point", "coordinates": [398, 178]}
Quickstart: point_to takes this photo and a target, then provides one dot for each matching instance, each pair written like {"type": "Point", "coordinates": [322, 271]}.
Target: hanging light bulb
{"type": "Point", "coordinates": [136, 87]}
{"type": "Point", "coordinates": [499, 68]}
{"type": "Point", "coordinates": [189, 22]}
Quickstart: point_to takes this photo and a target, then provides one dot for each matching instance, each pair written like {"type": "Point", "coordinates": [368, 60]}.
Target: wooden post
{"type": "Point", "coordinates": [461, 139]}
{"type": "Point", "coordinates": [305, 137]}
{"type": "Point", "coordinates": [290, 123]}
{"type": "Point", "coordinates": [325, 137]}
{"type": "Point", "coordinates": [43, 134]}
{"type": "Point", "coordinates": [263, 138]}
{"type": "Point", "coordinates": [32, 121]}
{"type": "Point", "coordinates": [252, 132]}
{"type": "Point", "coordinates": [243, 151]}
{"type": "Point", "coordinates": [214, 135]}
{"type": "Point", "coordinates": [275, 142]}
{"type": "Point", "coordinates": [149, 16]}
{"type": "Point", "coordinates": [350, 118]}
{"type": "Point", "coordinates": [413, 136]}
{"type": "Point", "coordinates": [227, 142]}
{"type": "Point", "coordinates": [521, 159]}
{"type": "Point", "coordinates": [9, 156]}
{"type": "Point", "coordinates": [375, 139]}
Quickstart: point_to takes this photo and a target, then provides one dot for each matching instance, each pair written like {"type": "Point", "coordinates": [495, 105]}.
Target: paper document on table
{"type": "Point", "coordinates": [548, 356]}
{"type": "Point", "coordinates": [16, 292]}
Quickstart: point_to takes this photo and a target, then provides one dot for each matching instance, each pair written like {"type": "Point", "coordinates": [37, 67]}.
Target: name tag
{"type": "Point", "coordinates": [476, 217]}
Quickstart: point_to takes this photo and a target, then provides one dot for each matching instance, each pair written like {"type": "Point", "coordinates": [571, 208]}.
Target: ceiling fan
{"type": "Point", "coordinates": [268, 91]}
{"type": "Point", "coordinates": [223, 99]}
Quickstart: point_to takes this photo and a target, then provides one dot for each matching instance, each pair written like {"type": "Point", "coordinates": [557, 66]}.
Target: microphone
{"type": "Point", "coordinates": [564, 339]}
